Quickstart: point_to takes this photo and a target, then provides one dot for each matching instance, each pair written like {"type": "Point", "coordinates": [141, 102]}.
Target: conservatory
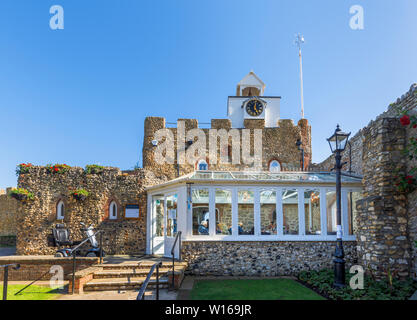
{"type": "Point", "coordinates": [249, 206]}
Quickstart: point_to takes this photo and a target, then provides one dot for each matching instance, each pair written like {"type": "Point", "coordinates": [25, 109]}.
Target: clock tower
{"type": "Point", "coordinates": [250, 103]}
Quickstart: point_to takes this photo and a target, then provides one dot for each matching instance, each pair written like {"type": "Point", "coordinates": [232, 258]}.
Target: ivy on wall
{"type": "Point", "coordinates": [407, 183]}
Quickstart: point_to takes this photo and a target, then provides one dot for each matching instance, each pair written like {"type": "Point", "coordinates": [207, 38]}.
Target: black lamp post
{"type": "Point", "coordinates": [337, 144]}
{"type": "Point", "coordinates": [298, 144]}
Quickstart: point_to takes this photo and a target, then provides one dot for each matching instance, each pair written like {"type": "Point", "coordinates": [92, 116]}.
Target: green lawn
{"type": "Point", "coordinates": [252, 289]}
{"type": "Point", "coordinates": [32, 293]}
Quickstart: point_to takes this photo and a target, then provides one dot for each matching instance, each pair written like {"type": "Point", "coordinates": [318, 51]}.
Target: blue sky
{"type": "Point", "coordinates": [80, 95]}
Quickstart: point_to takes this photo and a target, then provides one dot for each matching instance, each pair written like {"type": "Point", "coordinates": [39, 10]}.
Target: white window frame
{"type": "Point", "coordinates": [113, 204]}
{"type": "Point", "coordinates": [186, 216]}
{"type": "Point", "coordinates": [59, 214]}
{"type": "Point", "coordinates": [202, 161]}
{"type": "Point", "coordinates": [279, 166]}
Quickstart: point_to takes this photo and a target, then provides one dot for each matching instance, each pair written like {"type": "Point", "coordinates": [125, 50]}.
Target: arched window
{"type": "Point", "coordinates": [113, 210]}
{"type": "Point", "coordinates": [274, 166]}
{"type": "Point", "coordinates": [60, 210]}
{"type": "Point", "coordinates": [202, 165]}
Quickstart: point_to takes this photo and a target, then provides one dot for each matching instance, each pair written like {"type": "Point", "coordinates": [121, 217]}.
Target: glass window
{"type": "Point", "coordinates": [60, 210]}
{"type": "Point", "coordinates": [113, 210]}
{"type": "Point", "coordinates": [312, 211]}
{"type": "Point", "coordinates": [172, 202]}
{"type": "Point", "coordinates": [274, 166]}
{"type": "Point", "coordinates": [201, 216]}
{"type": "Point", "coordinates": [158, 204]}
{"type": "Point", "coordinates": [202, 165]}
{"type": "Point", "coordinates": [331, 212]}
{"type": "Point", "coordinates": [246, 217]}
{"type": "Point", "coordinates": [352, 212]}
{"type": "Point", "coordinates": [268, 201]}
{"type": "Point", "coordinates": [223, 212]}
{"type": "Point", "coordinates": [290, 210]}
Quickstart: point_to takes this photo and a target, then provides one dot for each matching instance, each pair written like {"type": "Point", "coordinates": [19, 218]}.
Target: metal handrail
{"type": "Point", "coordinates": [178, 236]}
{"type": "Point", "coordinates": [15, 266]}
{"type": "Point", "coordinates": [73, 251]}
{"type": "Point", "coordinates": [141, 294]}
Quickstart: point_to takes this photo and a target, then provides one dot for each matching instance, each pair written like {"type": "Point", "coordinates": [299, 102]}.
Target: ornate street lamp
{"type": "Point", "coordinates": [298, 145]}
{"type": "Point", "coordinates": [337, 144]}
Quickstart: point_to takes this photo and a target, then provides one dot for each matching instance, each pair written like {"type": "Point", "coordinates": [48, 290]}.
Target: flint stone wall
{"type": "Point", "coordinates": [386, 220]}
{"type": "Point", "coordinates": [121, 236]}
{"type": "Point", "coordinates": [261, 258]}
{"type": "Point", "coordinates": [278, 143]}
{"type": "Point", "coordinates": [8, 209]}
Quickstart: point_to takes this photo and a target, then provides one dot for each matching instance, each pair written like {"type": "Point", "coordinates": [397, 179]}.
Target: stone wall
{"type": "Point", "coordinates": [39, 268]}
{"type": "Point", "coordinates": [8, 210]}
{"type": "Point", "coordinates": [277, 144]}
{"type": "Point", "coordinates": [386, 221]}
{"type": "Point", "coordinates": [38, 216]}
{"type": "Point", "coordinates": [261, 258]}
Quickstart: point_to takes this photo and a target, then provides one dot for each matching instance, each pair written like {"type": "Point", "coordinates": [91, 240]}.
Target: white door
{"type": "Point", "coordinates": [158, 217]}
{"type": "Point", "coordinates": [171, 221]}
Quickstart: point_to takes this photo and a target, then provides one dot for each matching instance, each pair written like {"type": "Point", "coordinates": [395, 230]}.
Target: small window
{"type": "Point", "coordinates": [202, 165]}
{"type": "Point", "coordinates": [113, 210]}
{"type": "Point", "coordinates": [60, 210]}
{"type": "Point", "coordinates": [274, 166]}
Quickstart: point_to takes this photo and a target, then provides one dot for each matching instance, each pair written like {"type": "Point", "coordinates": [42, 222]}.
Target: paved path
{"type": "Point", "coordinates": [164, 294]}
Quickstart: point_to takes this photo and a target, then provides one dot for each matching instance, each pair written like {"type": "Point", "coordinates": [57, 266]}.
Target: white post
{"type": "Point", "coordinates": [298, 41]}
{"type": "Point", "coordinates": [301, 83]}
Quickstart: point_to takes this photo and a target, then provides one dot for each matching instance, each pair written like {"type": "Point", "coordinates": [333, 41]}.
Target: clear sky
{"type": "Point", "coordinates": [80, 95]}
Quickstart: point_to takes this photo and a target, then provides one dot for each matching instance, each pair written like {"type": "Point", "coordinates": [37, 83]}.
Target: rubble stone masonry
{"type": "Point", "coordinates": [122, 235]}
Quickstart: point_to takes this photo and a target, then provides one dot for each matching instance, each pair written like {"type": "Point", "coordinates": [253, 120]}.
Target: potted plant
{"type": "Point", "coordinates": [80, 194]}
{"type": "Point", "coordinates": [93, 169]}
{"type": "Point", "coordinates": [23, 168]}
{"type": "Point", "coordinates": [21, 194]}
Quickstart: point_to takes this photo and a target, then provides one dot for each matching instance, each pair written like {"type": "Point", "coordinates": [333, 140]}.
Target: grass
{"type": "Point", "coordinates": [32, 293]}
{"type": "Point", "coordinates": [252, 289]}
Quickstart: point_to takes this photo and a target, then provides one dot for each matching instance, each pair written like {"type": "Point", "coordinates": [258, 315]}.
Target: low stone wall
{"type": "Point", "coordinates": [39, 267]}
{"type": "Point", "coordinates": [261, 258]}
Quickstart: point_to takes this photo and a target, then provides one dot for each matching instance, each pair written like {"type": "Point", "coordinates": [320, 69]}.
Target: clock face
{"type": "Point", "coordinates": [254, 107]}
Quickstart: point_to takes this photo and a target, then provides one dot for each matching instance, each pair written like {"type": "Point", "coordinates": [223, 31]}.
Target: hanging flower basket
{"type": "Point", "coordinates": [21, 194]}
{"type": "Point", "coordinates": [80, 194]}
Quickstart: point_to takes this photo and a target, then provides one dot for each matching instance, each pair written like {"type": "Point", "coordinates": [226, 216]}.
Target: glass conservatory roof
{"type": "Point", "coordinates": [264, 177]}
{"type": "Point", "coordinates": [271, 176]}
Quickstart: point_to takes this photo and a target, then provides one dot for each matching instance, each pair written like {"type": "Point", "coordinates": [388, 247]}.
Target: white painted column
{"type": "Point", "coordinates": [234, 212]}
{"type": "Point", "coordinates": [257, 212]}
{"type": "Point", "coordinates": [323, 217]}
{"type": "Point", "coordinates": [301, 213]}
{"type": "Point", "coordinates": [345, 217]}
{"type": "Point", "coordinates": [212, 212]}
{"type": "Point", "coordinates": [280, 215]}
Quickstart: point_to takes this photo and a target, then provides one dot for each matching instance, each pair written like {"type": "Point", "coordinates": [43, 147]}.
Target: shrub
{"type": "Point", "coordinates": [57, 168]}
{"type": "Point", "coordinates": [93, 169]}
{"type": "Point", "coordinates": [80, 194]}
{"type": "Point", "coordinates": [21, 194]}
{"type": "Point", "coordinates": [385, 289]}
{"type": "Point", "coordinates": [23, 168]}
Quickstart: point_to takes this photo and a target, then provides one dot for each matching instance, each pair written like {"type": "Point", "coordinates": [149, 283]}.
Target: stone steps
{"type": "Point", "coordinates": [137, 266]}
{"type": "Point", "coordinates": [123, 284]}
{"type": "Point", "coordinates": [127, 273]}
